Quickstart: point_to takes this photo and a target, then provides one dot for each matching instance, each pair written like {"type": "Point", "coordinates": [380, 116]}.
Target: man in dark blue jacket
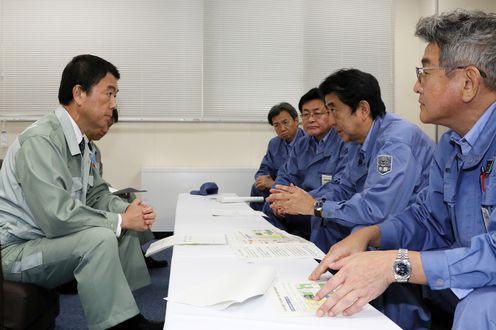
{"type": "Point", "coordinates": [284, 118]}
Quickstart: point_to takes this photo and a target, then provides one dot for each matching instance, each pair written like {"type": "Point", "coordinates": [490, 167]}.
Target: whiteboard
{"type": "Point", "coordinates": [164, 184]}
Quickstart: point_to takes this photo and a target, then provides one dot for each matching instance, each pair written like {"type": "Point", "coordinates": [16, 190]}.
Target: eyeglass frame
{"type": "Point", "coordinates": [316, 115]}
{"type": "Point", "coordinates": [420, 70]}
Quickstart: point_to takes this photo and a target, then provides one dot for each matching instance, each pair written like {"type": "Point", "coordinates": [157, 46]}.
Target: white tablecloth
{"type": "Point", "coordinates": [192, 265]}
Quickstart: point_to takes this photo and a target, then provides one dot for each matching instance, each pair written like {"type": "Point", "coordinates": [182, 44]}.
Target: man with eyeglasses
{"type": "Point", "coordinates": [388, 162]}
{"type": "Point", "coordinates": [451, 227]}
{"type": "Point", "coordinates": [58, 221]}
{"type": "Point", "coordinates": [284, 118]}
{"type": "Point", "coordinates": [316, 159]}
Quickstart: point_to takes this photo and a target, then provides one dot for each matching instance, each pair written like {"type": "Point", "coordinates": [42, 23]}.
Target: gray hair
{"type": "Point", "coordinates": [464, 38]}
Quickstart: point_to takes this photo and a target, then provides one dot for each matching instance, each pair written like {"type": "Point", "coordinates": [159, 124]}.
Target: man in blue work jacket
{"type": "Point", "coordinates": [388, 162]}
{"type": "Point", "coordinates": [451, 227]}
{"type": "Point", "coordinates": [284, 118]}
{"type": "Point", "coordinates": [316, 159]}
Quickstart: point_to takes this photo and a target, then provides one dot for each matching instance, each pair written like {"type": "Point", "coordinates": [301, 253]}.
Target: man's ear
{"type": "Point", "coordinates": [78, 94]}
{"type": "Point", "coordinates": [363, 109]}
{"type": "Point", "coordinates": [472, 83]}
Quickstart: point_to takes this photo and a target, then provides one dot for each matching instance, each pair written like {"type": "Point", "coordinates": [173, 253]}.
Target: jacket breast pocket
{"type": "Point", "coordinates": [488, 202]}
{"type": "Point", "coordinates": [488, 187]}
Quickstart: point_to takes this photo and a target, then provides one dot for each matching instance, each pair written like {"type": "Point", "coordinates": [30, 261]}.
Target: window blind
{"type": "Point", "coordinates": [191, 60]}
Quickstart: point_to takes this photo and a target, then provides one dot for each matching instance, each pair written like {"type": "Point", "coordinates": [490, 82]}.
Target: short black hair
{"type": "Point", "coordinates": [352, 86]}
{"type": "Point", "coordinates": [115, 116]}
{"type": "Point", "coordinates": [278, 108]}
{"type": "Point", "coordinates": [311, 95]}
{"type": "Point", "coordinates": [86, 71]}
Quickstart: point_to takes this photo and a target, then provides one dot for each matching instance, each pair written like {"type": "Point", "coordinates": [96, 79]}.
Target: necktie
{"type": "Point", "coordinates": [81, 146]}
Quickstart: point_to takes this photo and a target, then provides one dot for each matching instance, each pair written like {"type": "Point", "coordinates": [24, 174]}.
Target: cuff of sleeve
{"type": "Point", "coordinates": [329, 209]}
{"type": "Point", "coordinates": [388, 235]}
{"type": "Point", "coordinates": [118, 205]}
{"type": "Point", "coordinates": [118, 230]}
{"type": "Point", "coordinates": [435, 265]}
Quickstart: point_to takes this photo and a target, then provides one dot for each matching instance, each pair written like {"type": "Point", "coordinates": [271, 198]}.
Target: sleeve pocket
{"type": "Point", "coordinates": [77, 187]}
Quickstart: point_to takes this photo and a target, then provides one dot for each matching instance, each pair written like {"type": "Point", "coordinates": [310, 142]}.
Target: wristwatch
{"type": "Point", "coordinates": [318, 206]}
{"type": "Point", "coordinates": [402, 268]}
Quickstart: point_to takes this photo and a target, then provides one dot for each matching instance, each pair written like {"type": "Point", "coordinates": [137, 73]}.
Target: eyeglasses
{"type": "Point", "coordinates": [316, 115]}
{"type": "Point", "coordinates": [421, 72]}
{"type": "Point", "coordinates": [286, 123]}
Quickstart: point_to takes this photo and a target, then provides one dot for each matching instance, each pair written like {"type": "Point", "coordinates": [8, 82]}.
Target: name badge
{"type": "Point", "coordinates": [486, 216]}
{"type": "Point", "coordinates": [325, 178]}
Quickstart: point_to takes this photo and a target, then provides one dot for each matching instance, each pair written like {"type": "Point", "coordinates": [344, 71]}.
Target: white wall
{"type": "Point", "coordinates": [408, 51]}
{"type": "Point", "coordinates": [130, 146]}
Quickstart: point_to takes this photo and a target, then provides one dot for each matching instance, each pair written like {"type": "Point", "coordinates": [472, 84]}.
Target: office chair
{"type": "Point", "coordinates": [27, 306]}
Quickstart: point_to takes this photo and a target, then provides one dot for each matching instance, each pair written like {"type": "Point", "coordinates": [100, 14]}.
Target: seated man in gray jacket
{"type": "Point", "coordinates": [59, 221]}
{"type": "Point", "coordinates": [96, 163]}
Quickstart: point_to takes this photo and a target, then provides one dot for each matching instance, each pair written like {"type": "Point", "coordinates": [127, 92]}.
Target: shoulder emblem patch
{"type": "Point", "coordinates": [384, 164]}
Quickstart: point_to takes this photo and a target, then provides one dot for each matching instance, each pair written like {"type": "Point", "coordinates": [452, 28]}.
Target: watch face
{"type": "Point", "coordinates": [401, 269]}
{"type": "Point", "coordinates": [317, 211]}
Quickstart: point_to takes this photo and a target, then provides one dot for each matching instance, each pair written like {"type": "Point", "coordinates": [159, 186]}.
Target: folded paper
{"type": "Point", "coordinates": [228, 288]}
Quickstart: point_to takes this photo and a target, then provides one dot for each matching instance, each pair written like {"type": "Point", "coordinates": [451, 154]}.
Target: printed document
{"type": "Point", "coordinates": [287, 250]}
{"type": "Point", "coordinates": [192, 239]}
{"type": "Point", "coordinates": [263, 236]}
{"type": "Point", "coordinates": [268, 243]}
{"type": "Point", "coordinates": [296, 298]}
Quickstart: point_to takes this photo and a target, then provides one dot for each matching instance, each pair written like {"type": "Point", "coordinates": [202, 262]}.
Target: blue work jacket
{"type": "Point", "coordinates": [277, 153]}
{"type": "Point", "coordinates": [309, 164]}
{"type": "Point", "coordinates": [382, 176]}
{"type": "Point", "coordinates": [455, 214]}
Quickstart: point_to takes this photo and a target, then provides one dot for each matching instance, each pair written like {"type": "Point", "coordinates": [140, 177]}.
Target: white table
{"type": "Point", "coordinates": [195, 264]}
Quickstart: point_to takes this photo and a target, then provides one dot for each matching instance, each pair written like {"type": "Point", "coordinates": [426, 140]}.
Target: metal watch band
{"type": "Point", "coordinates": [402, 268]}
{"type": "Point", "coordinates": [402, 254]}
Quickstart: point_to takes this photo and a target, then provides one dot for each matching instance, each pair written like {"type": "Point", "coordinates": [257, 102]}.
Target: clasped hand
{"type": "Point", "coordinates": [290, 200]}
{"type": "Point", "coordinates": [138, 216]}
{"type": "Point", "coordinates": [264, 182]}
